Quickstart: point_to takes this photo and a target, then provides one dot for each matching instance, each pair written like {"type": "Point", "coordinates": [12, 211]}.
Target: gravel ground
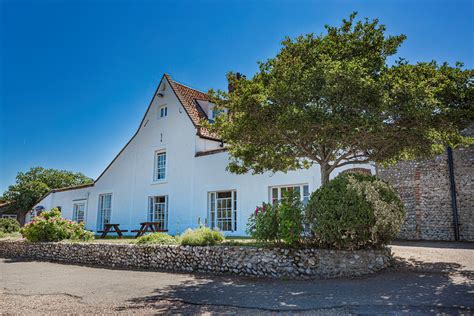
{"type": "Point", "coordinates": [436, 256]}
{"type": "Point", "coordinates": [427, 278]}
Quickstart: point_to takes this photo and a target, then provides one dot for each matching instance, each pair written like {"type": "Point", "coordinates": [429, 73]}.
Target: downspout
{"type": "Point", "coordinates": [454, 204]}
{"type": "Point", "coordinates": [86, 211]}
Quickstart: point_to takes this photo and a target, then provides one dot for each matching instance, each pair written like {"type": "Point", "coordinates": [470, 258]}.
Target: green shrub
{"type": "Point", "coordinates": [290, 214]}
{"type": "Point", "coordinates": [263, 224]}
{"type": "Point", "coordinates": [282, 221]}
{"type": "Point", "coordinates": [202, 236]}
{"type": "Point", "coordinates": [9, 225]}
{"type": "Point", "coordinates": [158, 239]}
{"type": "Point", "coordinates": [355, 211]}
{"type": "Point", "coordinates": [49, 226]}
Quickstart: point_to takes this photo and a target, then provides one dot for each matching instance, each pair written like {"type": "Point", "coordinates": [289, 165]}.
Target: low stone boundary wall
{"type": "Point", "coordinates": [245, 261]}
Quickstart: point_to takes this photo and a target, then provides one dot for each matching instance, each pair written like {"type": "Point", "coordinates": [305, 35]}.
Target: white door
{"type": "Point", "coordinates": [223, 210]}
{"type": "Point", "coordinates": [105, 210]}
{"type": "Point", "coordinates": [158, 211]}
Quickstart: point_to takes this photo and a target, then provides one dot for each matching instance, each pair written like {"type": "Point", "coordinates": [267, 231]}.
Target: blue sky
{"type": "Point", "coordinates": [76, 76]}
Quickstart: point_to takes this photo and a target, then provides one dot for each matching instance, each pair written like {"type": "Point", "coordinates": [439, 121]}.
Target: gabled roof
{"type": "Point", "coordinates": [188, 98]}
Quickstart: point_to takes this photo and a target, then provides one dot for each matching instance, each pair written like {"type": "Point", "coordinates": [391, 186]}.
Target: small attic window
{"type": "Point", "coordinates": [163, 111]}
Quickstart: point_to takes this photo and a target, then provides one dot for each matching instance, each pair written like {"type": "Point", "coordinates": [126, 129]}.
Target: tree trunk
{"type": "Point", "coordinates": [325, 172]}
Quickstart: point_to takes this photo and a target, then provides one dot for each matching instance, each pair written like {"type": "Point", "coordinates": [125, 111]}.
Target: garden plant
{"type": "Point", "coordinates": [9, 225]}
{"type": "Point", "coordinates": [202, 236]}
{"type": "Point", "coordinates": [50, 226]}
{"type": "Point", "coordinates": [354, 211]}
{"type": "Point", "coordinates": [278, 222]}
{"type": "Point", "coordinates": [157, 239]}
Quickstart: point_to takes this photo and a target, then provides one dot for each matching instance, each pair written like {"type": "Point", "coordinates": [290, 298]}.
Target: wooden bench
{"type": "Point", "coordinates": [112, 228]}
{"type": "Point", "coordinates": [146, 227]}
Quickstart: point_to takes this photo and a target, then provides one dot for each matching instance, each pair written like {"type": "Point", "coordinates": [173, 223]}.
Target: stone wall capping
{"type": "Point", "coordinates": [277, 263]}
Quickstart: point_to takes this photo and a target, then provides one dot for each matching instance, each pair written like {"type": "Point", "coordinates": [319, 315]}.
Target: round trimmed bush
{"type": "Point", "coordinates": [9, 225]}
{"type": "Point", "coordinates": [202, 236]}
{"type": "Point", "coordinates": [157, 239]}
{"type": "Point", "coordinates": [355, 211]}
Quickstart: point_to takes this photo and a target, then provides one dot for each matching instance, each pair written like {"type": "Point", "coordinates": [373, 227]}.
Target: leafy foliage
{"type": "Point", "coordinates": [49, 226]}
{"type": "Point", "coordinates": [263, 224]}
{"type": "Point", "coordinates": [355, 211]}
{"type": "Point", "coordinates": [290, 214]}
{"type": "Point", "coordinates": [30, 186]}
{"type": "Point", "coordinates": [282, 221]}
{"type": "Point", "coordinates": [202, 236]}
{"type": "Point", "coordinates": [332, 99]}
{"type": "Point", "coordinates": [9, 225]}
{"type": "Point", "coordinates": [157, 239]}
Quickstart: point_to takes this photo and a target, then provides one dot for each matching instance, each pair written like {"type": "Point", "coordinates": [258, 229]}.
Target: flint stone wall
{"type": "Point", "coordinates": [425, 189]}
{"type": "Point", "coordinates": [243, 261]}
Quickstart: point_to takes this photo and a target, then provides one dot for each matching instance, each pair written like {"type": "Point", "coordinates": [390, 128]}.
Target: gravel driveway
{"type": "Point", "coordinates": [427, 278]}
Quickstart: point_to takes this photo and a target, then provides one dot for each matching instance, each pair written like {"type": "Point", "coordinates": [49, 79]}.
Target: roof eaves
{"type": "Point", "coordinates": [210, 152]}
{"type": "Point", "coordinates": [74, 187]}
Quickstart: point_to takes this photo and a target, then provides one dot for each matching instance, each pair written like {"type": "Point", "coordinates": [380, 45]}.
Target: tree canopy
{"type": "Point", "coordinates": [30, 186]}
{"type": "Point", "coordinates": [335, 99]}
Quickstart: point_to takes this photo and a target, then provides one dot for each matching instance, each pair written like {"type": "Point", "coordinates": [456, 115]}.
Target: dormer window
{"type": "Point", "coordinates": [163, 111]}
{"type": "Point", "coordinates": [210, 109]}
{"type": "Point", "coordinates": [215, 113]}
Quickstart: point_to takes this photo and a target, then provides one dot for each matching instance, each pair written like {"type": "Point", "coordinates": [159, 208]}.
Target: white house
{"type": "Point", "coordinates": [173, 171]}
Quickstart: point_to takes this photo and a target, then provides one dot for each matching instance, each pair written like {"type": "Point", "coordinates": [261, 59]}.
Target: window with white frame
{"type": "Point", "coordinates": [160, 166]}
{"type": "Point", "coordinates": [223, 210]}
{"type": "Point", "coordinates": [163, 111]}
{"type": "Point", "coordinates": [104, 210]}
{"type": "Point", "coordinates": [158, 211]}
{"type": "Point", "coordinates": [78, 210]}
{"type": "Point", "coordinates": [277, 192]}
{"type": "Point", "coordinates": [9, 216]}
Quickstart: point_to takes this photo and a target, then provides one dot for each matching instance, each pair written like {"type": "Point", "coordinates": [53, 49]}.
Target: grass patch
{"type": "Point", "coordinates": [15, 235]}
{"type": "Point", "coordinates": [115, 240]}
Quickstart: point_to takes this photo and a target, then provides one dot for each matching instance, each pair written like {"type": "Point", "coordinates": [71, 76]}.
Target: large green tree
{"type": "Point", "coordinates": [30, 186]}
{"type": "Point", "coordinates": [336, 99]}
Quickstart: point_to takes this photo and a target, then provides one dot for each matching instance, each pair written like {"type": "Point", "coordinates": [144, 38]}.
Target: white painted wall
{"type": "Point", "coordinates": [188, 178]}
{"type": "Point", "coordinates": [65, 200]}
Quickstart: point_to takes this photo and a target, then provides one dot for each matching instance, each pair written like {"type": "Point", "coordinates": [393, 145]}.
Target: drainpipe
{"type": "Point", "coordinates": [454, 204]}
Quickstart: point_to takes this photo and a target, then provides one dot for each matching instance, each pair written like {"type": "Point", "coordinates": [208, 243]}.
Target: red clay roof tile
{"type": "Point", "coordinates": [188, 96]}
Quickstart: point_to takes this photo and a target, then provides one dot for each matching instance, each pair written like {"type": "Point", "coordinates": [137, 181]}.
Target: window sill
{"type": "Point", "coordinates": [159, 182]}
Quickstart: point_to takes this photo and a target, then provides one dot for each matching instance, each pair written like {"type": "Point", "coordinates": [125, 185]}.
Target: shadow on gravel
{"type": "Point", "coordinates": [429, 267]}
{"type": "Point", "coordinates": [398, 289]}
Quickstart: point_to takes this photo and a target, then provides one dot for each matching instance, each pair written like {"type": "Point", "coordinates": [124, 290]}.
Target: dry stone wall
{"type": "Point", "coordinates": [244, 261]}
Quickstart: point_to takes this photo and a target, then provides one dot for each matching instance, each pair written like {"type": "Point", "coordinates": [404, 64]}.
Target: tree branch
{"type": "Point", "coordinates": [352, 162]}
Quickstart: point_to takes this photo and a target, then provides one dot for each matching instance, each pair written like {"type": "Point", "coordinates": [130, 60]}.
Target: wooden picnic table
{"type": "Point", "coordinates": [112, 228]}
{"type": "Point", "coordinates": [149, 227]}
